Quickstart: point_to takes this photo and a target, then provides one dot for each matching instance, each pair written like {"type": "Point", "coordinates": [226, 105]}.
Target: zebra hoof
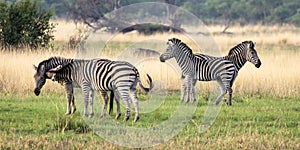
{"type": "Point", "coordinates": [118, 116]}
{"type": "Point", "coordinates": [126, 118]}
{"type": "Point", "coordinates": [91, 115]}
{"type": "Point", "coordinates": [136, 118]}
{"type": "Point", "coordinates": [73, 110]}
{"type": "Point", "coordinates": [229, 104]}
{"type": "Point", "coordinates": [67, 113]}
{"type": "Point", "coordinates": [102, 115]}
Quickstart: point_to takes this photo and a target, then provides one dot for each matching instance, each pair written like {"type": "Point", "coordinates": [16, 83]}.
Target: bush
{"type": "Point", "coordinates": [24, 24]}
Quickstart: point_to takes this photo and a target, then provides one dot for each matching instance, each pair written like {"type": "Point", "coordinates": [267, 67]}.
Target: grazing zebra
{"type": "Point", "coordinates": [195, 68]}
{"type": "Point", "coordinates": [41, 75]}
{"type": "Point", "coordinates": [239, 55]}
{"type": "Point", "coordinates": [102, 75]}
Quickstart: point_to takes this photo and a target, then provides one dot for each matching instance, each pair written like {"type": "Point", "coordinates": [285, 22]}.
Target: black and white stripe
{"type": "Point", "coordinates": [195, 68]}
{"type": "Point", "coordinates": [42, 74]}
{"type": "Point", "coordinates": [239, 55]}
{"type": "Point", "coordinates": [103, 75]}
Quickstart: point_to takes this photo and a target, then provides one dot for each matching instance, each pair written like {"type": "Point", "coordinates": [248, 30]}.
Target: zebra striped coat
{"type": "Point", "coordinates": [42, 74]}
{"type": "Point", "coordinates": [238, 55]}
{"type": "Point", "coordinates": [103, 75]}
{"type": "Point", "coordinates": [195, 68]}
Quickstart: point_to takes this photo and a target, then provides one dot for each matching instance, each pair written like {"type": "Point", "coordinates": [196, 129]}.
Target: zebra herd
{"type": "Point", "coordinates": [121, 78]}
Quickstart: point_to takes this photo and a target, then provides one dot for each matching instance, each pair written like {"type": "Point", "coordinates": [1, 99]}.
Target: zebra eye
{"type": "Point", "coordinates": [251, 45]}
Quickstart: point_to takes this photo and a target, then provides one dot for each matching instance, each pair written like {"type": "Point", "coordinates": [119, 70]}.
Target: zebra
{"type": "Point", "coordinates": [102, 75]}
{"type": "Point", "coordinates": [239, 55]}
{"type": "Point", "coordinates": [42, 74]}
{"type": "Point", "coordinates": [195, 68]}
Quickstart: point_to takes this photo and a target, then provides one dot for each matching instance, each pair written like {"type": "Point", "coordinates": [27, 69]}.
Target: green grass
{"type": "Point", "coordinates": [252, 123]}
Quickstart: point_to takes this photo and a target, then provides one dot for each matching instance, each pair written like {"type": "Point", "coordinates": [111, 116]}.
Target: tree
{"type": "Point", "coordinates": [23, 24]}
{"type": "Point", "coordinates": [94, 13]}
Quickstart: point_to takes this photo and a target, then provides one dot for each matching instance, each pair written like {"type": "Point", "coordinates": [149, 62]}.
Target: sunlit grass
{"type": "Point", "coordinates": [39, 122]}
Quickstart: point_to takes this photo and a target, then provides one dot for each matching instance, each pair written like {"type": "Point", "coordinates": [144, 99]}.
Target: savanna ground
{"type": "Point", "coordinates": [264, 115]}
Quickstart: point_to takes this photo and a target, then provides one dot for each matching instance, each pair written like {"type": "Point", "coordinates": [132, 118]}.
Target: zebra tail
{"type": "Point", "coordinates": [149, 82]}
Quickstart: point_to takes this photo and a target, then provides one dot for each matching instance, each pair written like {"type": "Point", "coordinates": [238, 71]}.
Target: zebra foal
{"type": "Point", "coordinates": [195, 68]}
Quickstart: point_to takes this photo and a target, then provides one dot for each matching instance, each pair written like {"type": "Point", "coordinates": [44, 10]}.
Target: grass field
{"type": "Point", "coordinates": [265, 107]}
{"type": "Point", "coordinates": [39, 122]}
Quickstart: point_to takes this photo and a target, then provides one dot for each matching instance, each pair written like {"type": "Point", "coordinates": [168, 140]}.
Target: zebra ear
{"type": "Point", "coordinates": [34, 67]}
{"type": "Point", "coordinates": [55, 69]}
{"type": "Point", "coordinates": [170, 43]}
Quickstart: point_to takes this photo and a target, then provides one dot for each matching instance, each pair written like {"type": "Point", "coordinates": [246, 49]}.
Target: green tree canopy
{"type": "Point", "coordinates": [23, 23]}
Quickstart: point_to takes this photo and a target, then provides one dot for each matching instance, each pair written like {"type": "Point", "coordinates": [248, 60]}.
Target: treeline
{"type": "Point", "coordinates": [210, 11]}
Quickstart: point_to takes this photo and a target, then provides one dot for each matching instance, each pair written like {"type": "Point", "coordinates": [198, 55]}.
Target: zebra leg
{"type": "Point", "coordinates": [229, 89]}
{"type": "Point", "coordinates": [126, 98]}
{"type": "Point", "coordinates": [111, 102]}
{"type": "Point", "coordinates": [193, 91]}
{"type": "Point", "coordinates": [118, 114]}
{"type": "Point", "coordinates": [136, 105]}
{"type": "Point", "coordinates": [183, 91]}
{"type": "Point", "coordinates": [73, 105]}
{"type": "Point", "coordinates": [189, 89]}
{"type": "Point", "coordinates": [91, 102]}
{"type": "Point", "coordinates": [105, 100]}
{"type": "Point", "coordinates": [223, 91]}
{"type": "Point", "coordinates": [85, 90]}
{"type": "Point", "coordinates": [70, 96]}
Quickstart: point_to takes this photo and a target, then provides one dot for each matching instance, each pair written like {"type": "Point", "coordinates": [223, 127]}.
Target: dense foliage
{"type": "Point", "coordinates": [23, 24]}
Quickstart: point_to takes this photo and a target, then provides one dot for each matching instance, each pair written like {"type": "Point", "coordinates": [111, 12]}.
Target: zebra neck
{"type": "Point", "coordinates": [238, 59]}
{"type": "Point", "coordinates": [53, 63]}
{"type": "Point", "coordinates": [184, 61]}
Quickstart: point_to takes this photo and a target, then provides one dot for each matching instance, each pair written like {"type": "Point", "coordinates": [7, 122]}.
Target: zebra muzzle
{"type": "Point", "coordinates": [162, 59]}
{"type": "Point", "coordinates": [258, 64]}
{"type": "Point", "coordinates": [37, 92]}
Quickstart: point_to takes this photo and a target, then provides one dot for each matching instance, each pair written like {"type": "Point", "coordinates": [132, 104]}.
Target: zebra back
{"type": "Point", "coordinates": [199, 66]}
{"type": "Point", "coordinates": [239, 55]}
{"type": "Point", "coordinates": [52, 63]}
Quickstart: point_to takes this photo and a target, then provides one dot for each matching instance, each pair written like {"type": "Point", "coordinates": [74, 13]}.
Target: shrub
{"type": "Point", "coordinates": [24, 24]}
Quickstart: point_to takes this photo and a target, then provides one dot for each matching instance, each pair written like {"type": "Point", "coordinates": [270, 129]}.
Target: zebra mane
{"type": "Point", "coordinates": [52, 60]}
{"type": "Point", "coordinates": [182, 46]}
{"type": "Point", "coordinates": [240, 47]}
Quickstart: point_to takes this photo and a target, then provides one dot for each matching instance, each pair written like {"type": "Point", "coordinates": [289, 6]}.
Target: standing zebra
{"type": "Point", "coordinates": [102, 75]}
{"type": "Point", "coordinates": [195, 68]}
{"type": "Point", "coordinates": [239, 55]}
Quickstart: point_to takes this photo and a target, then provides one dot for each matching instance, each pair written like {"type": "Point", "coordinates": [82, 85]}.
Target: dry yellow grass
{"type": "Point", "coordinates": [277, 47]}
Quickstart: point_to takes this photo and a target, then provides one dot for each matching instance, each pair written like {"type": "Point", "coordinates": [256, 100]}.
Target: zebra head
{"type": "Point", "coordinates": [251, 54]}
{"type": "Point", "coordinates": [170, 51]}
{"type": "Point", "coordinates": [52, 73]}
{"type": "Point", "coordinates": [40, 78]}
{"type": "Point", "coordinates": [245, 51]}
